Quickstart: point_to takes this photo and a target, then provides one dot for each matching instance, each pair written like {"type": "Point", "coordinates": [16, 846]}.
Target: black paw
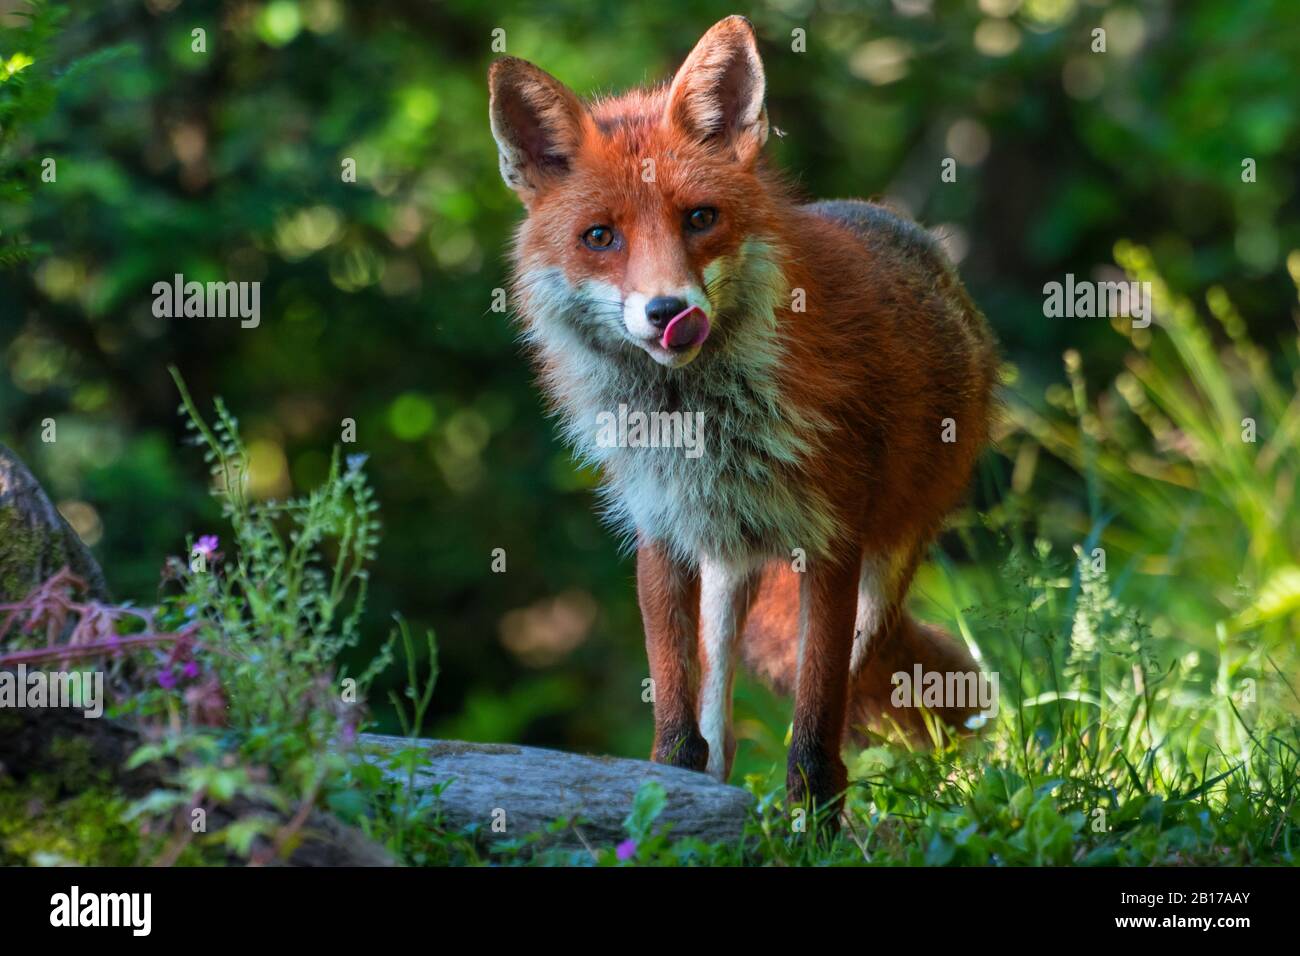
{"type": "Point", "coordinates": [816, 783]}
{"type": "Point", "coordinates": [684, 748]}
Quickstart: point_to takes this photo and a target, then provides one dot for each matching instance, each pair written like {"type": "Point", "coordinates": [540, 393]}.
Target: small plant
{"type": "Point", "coordinates": [412, 810]}
{"type": "Point", "coordinates": [54, 624]}
{"type": "Point", "coordinates": [288, 600]}
{"type": "Point", "coordinates": [275, 612]}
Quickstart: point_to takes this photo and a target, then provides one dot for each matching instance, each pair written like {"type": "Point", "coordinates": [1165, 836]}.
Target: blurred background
{"type": "Point", "coordinates": [376, 294]}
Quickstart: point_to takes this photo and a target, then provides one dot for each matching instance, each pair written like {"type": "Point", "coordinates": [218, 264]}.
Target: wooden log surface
{"type": "Point", "coordinates": [527, 788]}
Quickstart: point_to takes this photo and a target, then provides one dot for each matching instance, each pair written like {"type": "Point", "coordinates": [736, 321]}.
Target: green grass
{"type": "Point", "coordinates": [1116, 764]}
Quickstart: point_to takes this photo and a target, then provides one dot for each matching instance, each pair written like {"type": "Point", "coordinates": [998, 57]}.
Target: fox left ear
{"type": "Point", "coordinates": [717, 95]}
{"type": "Point", "coordinates": [537, 123]}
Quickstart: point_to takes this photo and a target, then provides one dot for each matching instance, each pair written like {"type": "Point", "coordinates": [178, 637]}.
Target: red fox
{"type": "Point", "coordinates": [844, 377]}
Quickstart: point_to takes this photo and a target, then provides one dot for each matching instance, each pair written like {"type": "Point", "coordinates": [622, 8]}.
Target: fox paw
{"type": "Point", "coordinates": [685, 748]}
{"type": "Point", "coordinates": [817, 783]}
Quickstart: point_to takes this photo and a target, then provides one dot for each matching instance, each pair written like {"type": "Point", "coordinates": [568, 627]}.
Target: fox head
{"type": "Point", "coordinates": [642, 207]}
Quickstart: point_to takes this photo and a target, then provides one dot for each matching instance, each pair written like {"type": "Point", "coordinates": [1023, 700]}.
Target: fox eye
{"type": "Point", "coordinates": [698, 220]}
{"type": "Point", "coordinates": [598, 237]}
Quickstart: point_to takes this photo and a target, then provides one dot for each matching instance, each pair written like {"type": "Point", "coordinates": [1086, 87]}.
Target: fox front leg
{"type": "Point", "coordinates": [669, 595]}
{"type": "Point", "coordinates": [828, 604]}
{"type": "Point", "coordinates": [726, 593]}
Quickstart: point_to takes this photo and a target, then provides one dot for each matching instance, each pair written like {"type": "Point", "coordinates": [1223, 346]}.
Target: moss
{"type": "Point", "coordinates": [37, 540]}
{"type": "Point", "coordinates": [455, 748]}
{"type": "Point", "coordinates": [439, 748]}
{"type": "Point", "coordinates": [37, 828]}
{"type": "Point", "coordinates": [74, 758]}
{"type": "Point", "coordinates": [21, 555]}
{"type": "Point", "coordinates": [88, 828]}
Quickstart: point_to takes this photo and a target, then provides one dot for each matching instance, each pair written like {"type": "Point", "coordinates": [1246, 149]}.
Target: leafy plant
{"type": "Point", "coordinates": [412, 809]}
{"type": "Point", "coordinates": [275, 612]}
{"type": "Point", "coordinates": [1194, 448]}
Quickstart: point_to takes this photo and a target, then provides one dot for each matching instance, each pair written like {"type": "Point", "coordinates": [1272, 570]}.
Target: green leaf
{"type": "Point", "coordinates": [647, 805]}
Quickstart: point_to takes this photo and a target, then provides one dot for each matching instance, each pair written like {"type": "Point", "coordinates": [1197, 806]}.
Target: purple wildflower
{"type": "Point", "coordinates": [207, 545]}
{"type": "Point", "coordinates": [191, 669]}
{"type": "Point", "coordinates": [166, 679]}
{"type": "Point", "coordinates": [626, 850]}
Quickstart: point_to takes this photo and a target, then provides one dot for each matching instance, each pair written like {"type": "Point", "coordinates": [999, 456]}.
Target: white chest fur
{"type": "Point", "coordinates": [737, 494]}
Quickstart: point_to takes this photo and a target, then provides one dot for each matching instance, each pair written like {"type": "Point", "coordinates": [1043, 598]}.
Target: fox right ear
{"type": "Point", "coordinates": [537, 123]}
{"type": "Point", "coordinates": [717, 95]}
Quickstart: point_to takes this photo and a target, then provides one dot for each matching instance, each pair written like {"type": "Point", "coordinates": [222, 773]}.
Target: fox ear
{"type": "Point", "coordinates": [717, 95]}
{"type": "Point", "coordinates": [537, 123]}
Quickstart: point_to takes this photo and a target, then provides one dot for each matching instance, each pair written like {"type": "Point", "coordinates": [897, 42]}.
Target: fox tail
{"type": "Point", "coordinates": [770, 647]}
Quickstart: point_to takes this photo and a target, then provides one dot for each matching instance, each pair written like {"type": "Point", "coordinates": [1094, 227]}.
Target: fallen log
{"type": "Point", "coordinates": [510, 791]}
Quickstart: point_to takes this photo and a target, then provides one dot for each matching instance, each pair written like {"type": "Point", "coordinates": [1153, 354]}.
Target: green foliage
{"type": "Point", "coordinates": [27, 93]}
{"type": "Point", "coordinates": [412, 809]}
{"type": "Point", "coordinates": [1193, 449]}
{"type": "Point", "coordinates": [1063, 778]}
{"type": "Point", "coordinates": [30, 86]}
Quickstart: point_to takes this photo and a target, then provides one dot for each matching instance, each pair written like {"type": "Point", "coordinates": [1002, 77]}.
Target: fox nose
{"type": "Point", "coordinates": [661, 309]}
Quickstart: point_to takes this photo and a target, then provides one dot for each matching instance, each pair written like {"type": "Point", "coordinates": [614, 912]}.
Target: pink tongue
{"type": "Point", "coordinates": [690, 327]}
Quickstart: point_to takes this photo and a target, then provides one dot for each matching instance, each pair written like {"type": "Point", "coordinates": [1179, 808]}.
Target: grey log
{"type": "Point", "coordinates": [535, 787]}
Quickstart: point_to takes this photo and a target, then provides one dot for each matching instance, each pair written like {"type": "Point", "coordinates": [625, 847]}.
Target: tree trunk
{"type": "Point", "coordinates": [35, 540]}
